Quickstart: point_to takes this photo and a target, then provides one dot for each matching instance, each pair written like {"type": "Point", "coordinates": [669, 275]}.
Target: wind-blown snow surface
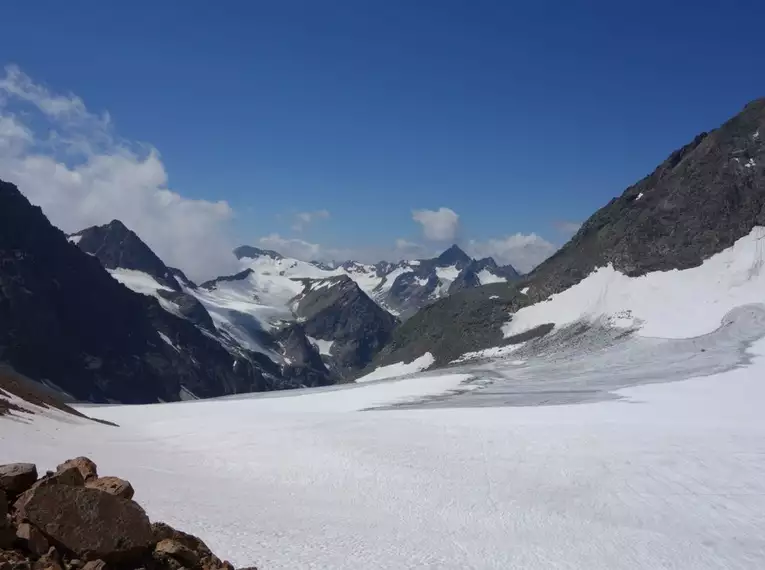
{"type": "Point", "coordinates": [666, 304]}
{"type": "Point", "coordinates": [670, 476]}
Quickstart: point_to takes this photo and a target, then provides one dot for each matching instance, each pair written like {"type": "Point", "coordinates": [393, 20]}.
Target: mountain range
{"type": "Point", "coordinates": [98, 315]}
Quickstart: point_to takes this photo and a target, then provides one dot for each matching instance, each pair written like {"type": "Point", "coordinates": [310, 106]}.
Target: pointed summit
{"type": "Point", "coordinates": [118, 247]}
{"type": "Point", "coordinates": [453, 256]}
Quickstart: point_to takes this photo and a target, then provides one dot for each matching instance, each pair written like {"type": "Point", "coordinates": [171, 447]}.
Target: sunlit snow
{"type": "Point", "coordinates": [399, 369]}
{"type": "Point", "coordinates": [665, 304]}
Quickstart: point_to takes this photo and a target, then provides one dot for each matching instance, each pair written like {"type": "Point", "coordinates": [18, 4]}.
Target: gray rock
{"type": "Point", "coordinates": [16, 478]}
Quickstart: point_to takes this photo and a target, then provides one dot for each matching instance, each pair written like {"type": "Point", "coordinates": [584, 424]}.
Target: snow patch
{"type": "Point", "coordinates": [399, 369]}
{"type": "Point", "coordinates": [750, 163]}
{"type": "Point", "coordinates": [665, 304]}
{"type": "Point", "coordinates": [525, 290]}
{"type": "Point", "coordinates": [639, 196]}
{"type": "Point", "coordinates": [323, 346]}
{"type": "Point", "coordinates": [485, 277]}
{"type": "Point", "coordinates": [167, 340]}
{"type": "Point", "coordinates": [138, 281]}
{"type": "Point", "coordinates": [493, 352]}
{"type": "Point", "coordinates": [74, 239]}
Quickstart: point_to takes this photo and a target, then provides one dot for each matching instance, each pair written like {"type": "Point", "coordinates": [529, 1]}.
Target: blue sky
{"type": "Point", "coordinates": [516, 116]}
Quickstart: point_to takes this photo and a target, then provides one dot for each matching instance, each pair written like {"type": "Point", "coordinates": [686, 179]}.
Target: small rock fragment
{"type": "Point", "coordinates": [95, 565]}
{"type": "Point", "coordinates": [17, 477]}
{"type": "Point", "coordinates": [113, 486]}
{"type": "Point", "coordinates": [175, 549]}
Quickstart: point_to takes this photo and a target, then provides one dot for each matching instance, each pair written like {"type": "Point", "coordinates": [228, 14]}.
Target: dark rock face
{"type": "Point", "coordinates": [305, 366]}
{"type": "Point", "coordinates": [453, 256]}
{"type": "Point", "coordinates": [338, 310]}
{"type": "Point", "coordinates": [58, 309]}
{"type": "Point", "coordinates": [254, 252]}
{"type": "Point", "coordinates": [236, 277]}
{"type": "Point", "coordinates": [698, 202]}
{"type": "Point", "coordinates": [116, 246]}
{"type": "Point", "coordinates": [190, 308]}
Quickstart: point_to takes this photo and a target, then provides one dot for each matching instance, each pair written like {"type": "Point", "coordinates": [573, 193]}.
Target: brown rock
{"type": "Point", "coordinates": [87, 468]}
{"type": "Point", "coordinates": [174, 549]}
{"type": "Point", "coordinates": [34, 541]}
{"type": "Point", "coordinates": [95, 565]}
{"type": "Point", "coordinates": [163, 531]}
{"type": "Point", "coordinates": [17, 477]}
{"type": "Point", "coordinates": [68, 476]}
{"type": "Point", "coordinates": [76, 563]}
{"type": "Point", "coordinates": [112, 485]}
{"type": "Point", "coordinates": [90, 523]}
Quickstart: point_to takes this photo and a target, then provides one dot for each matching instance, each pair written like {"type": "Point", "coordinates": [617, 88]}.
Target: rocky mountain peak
{"type": "Point", "coordinates": [116, 246]}
{"type": "Point", "coordinates": [453, 256]}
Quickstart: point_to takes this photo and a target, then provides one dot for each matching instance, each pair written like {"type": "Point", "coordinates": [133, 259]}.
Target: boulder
{"type": "Point", "coordinates": [17, 477]}
{"type": "Point", "coordinates": [87, 522]}
{"type": "Point", "coordinates": [112, 485]}
{"type": "Point", "coordinates": [164, 531]}
{"type": "Point", "coordinates": [68, 476]}
{"type": "Point", "coordinates": [176, 550]}
{"type": "Point", "coordinates": [34, 541]}
{"type": "Point", "coordinates": [86, 467]}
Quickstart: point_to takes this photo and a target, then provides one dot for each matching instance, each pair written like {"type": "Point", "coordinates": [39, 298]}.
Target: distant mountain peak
{"type": "Point", "coordinates": [453, 256]}
{"type": "Point", "coordinates": [118, 247]}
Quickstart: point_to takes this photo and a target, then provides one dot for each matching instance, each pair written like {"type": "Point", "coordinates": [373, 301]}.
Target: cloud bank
{"type": "Point", "coordinates": [70, 162]}
{"type": "Point", "coordinates": [438, 225]}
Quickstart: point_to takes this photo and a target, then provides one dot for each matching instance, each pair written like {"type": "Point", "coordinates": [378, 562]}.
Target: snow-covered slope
{"type": "Point", "coordinates": [665, 476]}
{"type": "Point", "coordinates": [666, 304]}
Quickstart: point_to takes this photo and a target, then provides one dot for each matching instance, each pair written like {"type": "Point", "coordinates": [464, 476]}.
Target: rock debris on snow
{"type": "Point", "coordinates": [62, 522]}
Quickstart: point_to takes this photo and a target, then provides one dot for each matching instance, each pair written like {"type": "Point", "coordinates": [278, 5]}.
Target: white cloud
{"type": "Point", "coordinates": [522, 251]}
{"type": "Point", "coordinates": [438, 225]}
{"type": "Point", "coordinates": [69, 161]}
{"type": "Point", "coordinates": [293, 247]}
{"type": "Point", "coordinates": [302, 219]}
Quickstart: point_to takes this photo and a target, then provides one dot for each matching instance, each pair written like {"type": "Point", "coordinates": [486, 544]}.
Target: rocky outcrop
{"type": "Point", "coordinates": [698, 202]}
{"type": "Point", "coordinates": [82, 526]}
{"type": "Point", "coordinates": [112, 485]}
{"type": "Point", "coordinates": [116, 246]}
{"type": "Point", "coordinates": [337, 311]}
